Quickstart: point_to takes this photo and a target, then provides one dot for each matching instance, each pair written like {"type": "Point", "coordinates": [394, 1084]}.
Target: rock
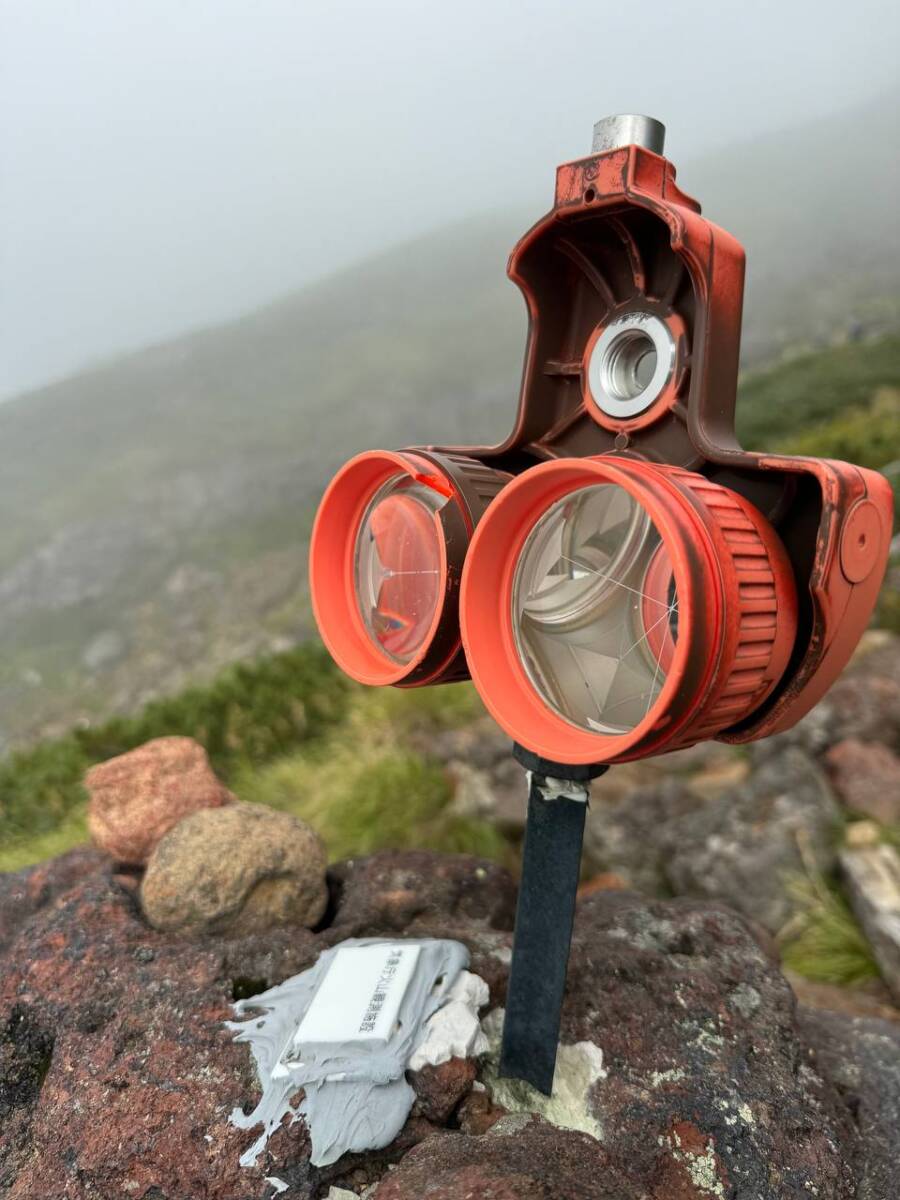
{"type": "Point", "coordinates": [396, 891]}
{"type": "Point", "coordinates": [871, 999]}
{"type": "Point", "coordinates": [137, 797]}
{"type": "Point", "coordinates": [242, 868]}
{"type": "Point", "coordinates": [526, 1160]}
{"type": "Point", "coordinates": [23, 893]}
{"type": "Point", "coordinates": [866, 776]}
{"type": "Point", "coordinates": [499, 795]}
{"type": "Point", "coordinates": [705, 1081]}
{"type": "Point", "coordinates": [862, 833]}
{"type": "Point", "coordinates": [746, 847]}
{"type": "Point", "coordinates": [721, 775]}
{"type": "Point", "coordinates": [478, 1113]}
{"type": "Point", "coordinates": [488, 783]}
{"type": "Point", "coordinates": [481, 744]}
{"type": "Point", "coordinates": [861, 1058]}
{"type": "Point", "coordinates": [872, 875]}
{"type": "Point", "coordinates": [627, 829]}
{"type": "Point", "coordinates": [440, 1089]}
{"type": "Point", "coordinates": [124, 1074]}
{"type": "Point", "coordinates": [604, 882]}
{"type": "Point", "coordinates": [865, 702]}
{"type": "Point", "coordinates": [708, 828]}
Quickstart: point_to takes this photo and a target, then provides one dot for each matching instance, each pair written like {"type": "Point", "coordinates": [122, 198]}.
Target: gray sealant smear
{"type": "Point", "coordinates": [344, 1032]}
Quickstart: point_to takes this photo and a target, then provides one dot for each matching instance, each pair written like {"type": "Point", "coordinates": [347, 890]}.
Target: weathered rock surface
{"type": "Point", "coordinates": [872, 876]}
{"type": "Point", "coordinates": [706, 1086]}
{"type": "Point", "coordinates": [717, 832]}
{"type": "Point", "coordinates": [399, 891]}
{"type": "Point", "coordinates": [746, 847]}
{"type": "Point", "coordinates": [863, 704]}
{"type": "Point", "coordinates": [866, 776]}
{"type": "Point", "coordinates": [23, 893]}
{"type": "Point", "coordinates": [627, 831]}
{"type": "Point", "coordinates": [861, 1058]}
{"type": "Point", "coordinates": [242, 868]}
{"type": "Point", "coordinates": [520, 1158]}
{"type": "Point", "coordinates": [137, 797]}
{"type": "Point", "coordinates": [125, 1077]}
{"type": "Point", "coordinates": [440, 1089]}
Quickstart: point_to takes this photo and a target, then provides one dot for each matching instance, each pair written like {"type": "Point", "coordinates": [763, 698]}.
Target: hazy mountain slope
{"type": "Point", "coordinates": [156, 508]}
{"type": "Point", "coordinates": [816, 209]}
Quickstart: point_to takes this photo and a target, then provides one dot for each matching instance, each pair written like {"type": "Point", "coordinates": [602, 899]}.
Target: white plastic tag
{"type": "Point", "coordinates": [359, 999]}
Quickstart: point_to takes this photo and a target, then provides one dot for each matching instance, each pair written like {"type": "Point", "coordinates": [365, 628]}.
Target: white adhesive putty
{"type": "Point", "coordinates": [579, 1067]}
{"type": "Point", "coordinates": [355, 1095]}
{"type": "Point", "coordinates": [454, 1031]}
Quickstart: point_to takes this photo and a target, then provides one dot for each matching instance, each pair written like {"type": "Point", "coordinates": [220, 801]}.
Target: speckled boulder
{"type": "Point", "coordinates": [137, 797]}
{"type": "Point", "coordinates": [241, 869]}
{"type": "Point", "coordinates": [521, 1158]}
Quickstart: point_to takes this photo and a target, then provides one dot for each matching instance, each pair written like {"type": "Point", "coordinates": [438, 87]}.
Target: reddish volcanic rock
{"type": "Point", "coordinates": [521, 1158]}
{"type": "Point", "coordinates": [117, 1077]}
{"type": "Point", "coordinates": [23, 893]}
{"type": "Point", "coordinates": [137, 797]}
{"type": "Point", "coordinates": [866, 776]}
{"type": "Point", "coordinates": [124, 1076]}
{"type": "Point", "coordinates": [440, 1089]}
{"type": "Point", "coordinates": [395, 890]}
{"type": "Point", "coordinates": [705, 1071]}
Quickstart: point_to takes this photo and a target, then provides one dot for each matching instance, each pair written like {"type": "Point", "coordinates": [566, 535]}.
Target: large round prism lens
{"type": "Point", "coordinates": [595, 609]}
{"type": "Point", "coordinates": [399, 566]}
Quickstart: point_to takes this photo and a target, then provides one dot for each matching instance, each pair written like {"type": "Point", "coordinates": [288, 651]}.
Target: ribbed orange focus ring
{"type": "Point", "coordinates": [736, 619]}
{"type": "Point", "coordinates": [758, 637]}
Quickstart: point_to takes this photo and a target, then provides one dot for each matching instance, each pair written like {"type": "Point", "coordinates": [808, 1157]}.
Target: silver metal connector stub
{"type": "Point", "coordinates": [630, 364]}
{"type": "Point", "coordinates": [629, 129]}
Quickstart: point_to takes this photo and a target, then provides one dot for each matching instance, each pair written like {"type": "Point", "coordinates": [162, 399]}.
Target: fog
{"type": "Point", "coordinates": [168, 164]}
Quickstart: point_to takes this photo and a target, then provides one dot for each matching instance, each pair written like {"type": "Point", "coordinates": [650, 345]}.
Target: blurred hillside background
{"type": "Point", "coordinates": [243, 242]}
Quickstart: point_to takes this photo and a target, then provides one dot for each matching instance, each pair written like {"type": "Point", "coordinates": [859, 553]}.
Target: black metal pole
{"type": "Point", "coordinates": [551, 859]}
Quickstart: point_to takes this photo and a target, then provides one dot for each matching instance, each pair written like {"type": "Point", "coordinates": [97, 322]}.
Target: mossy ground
{"type": "Point", "coordinates": [354, 776]}
{"type": "Point", "coordinates": [364, 788]}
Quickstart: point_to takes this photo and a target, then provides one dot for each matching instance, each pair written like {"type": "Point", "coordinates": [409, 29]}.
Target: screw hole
{"type": "Point", "coordinates": [590, 195]}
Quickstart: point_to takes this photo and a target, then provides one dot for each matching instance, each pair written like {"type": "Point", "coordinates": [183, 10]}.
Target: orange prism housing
{"type": "Point", "coordinates": [624, 249]}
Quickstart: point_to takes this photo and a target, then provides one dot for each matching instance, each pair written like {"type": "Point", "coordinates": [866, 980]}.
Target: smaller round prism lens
{"type": "Point", "coordinates": [398, 566]}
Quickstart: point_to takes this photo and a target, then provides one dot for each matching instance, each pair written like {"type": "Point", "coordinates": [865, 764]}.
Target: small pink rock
{"type": "Point", "coordinates": [866, 775]}
{"type": "Point", "coordinates": [137, 797]}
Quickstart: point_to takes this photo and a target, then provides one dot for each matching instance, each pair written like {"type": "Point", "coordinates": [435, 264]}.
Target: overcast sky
{"type": "Point", "coordinates": [166, 164]}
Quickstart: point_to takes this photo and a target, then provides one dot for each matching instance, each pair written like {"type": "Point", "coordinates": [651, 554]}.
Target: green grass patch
{"type": "Point", "coordinates": [364, 788]}
{"type": "Point", "coordinates": [249, 714]}
{"type": "Point", "coordinates": [70, 831]}
{"type": "Point", "coordinates": [289, 731]}
{"type": "Point", "coordinates": [792, 400]}
{"type": "Point", "coordinates": [824, 942]}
